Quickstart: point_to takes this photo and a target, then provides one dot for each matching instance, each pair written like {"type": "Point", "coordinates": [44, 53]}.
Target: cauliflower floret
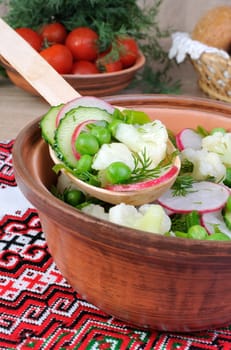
{"type": "Point", "coordinates": [113, 152]}
{"type": "Point", "coordinates": [123, 214]}
{"type": "Point", "coordinates": [205, 164]}
{"type": "Point", "coordinates": [154, 219]}
{"type": "Point", "coordinates": [149, 217]}
{"type": "Point", "coordinates": [154, 152]}
{"type": "Point", "coordinates": [129, 135]}
{"type": "Point", "coordinates": [154, 132]}
{"type": "Point", "coordinates": [95, 210]}
{"type": "Point", "coordinates": [219, 143]}
{"type": "Point", "coordinates": [150, 138]}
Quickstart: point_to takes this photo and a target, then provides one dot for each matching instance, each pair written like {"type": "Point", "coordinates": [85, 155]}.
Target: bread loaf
{"type": "Point", "coordinates": [214, 28]}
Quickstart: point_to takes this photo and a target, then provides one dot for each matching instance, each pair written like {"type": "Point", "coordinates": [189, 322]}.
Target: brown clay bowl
{"type": "Point", "coordinates": [101, 84]}
{"type": "Point", "coordinates": [149, 280]}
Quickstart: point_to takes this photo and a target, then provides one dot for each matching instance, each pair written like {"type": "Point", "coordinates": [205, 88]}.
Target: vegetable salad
{"type": "Point", "coordinates": [106, 147]}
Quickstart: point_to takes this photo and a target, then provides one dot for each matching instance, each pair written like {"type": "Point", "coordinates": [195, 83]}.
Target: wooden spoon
{"type": "Point", "coordinates": [51, 85]}
{"type": "Point", "coordinates": [55, 90]}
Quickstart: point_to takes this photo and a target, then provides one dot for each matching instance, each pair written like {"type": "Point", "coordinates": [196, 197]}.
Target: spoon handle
{"type": "Point", "coordinates": [31, 65]}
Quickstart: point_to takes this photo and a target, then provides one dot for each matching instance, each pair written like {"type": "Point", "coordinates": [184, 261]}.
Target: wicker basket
{"type": "Point", "coordinates": [214, 75]}
{"type": "Point", "coordinates": [213, 65]}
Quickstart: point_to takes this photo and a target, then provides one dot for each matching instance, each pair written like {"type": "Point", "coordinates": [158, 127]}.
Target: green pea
{"type": "Point", "coordinates": [117, 172]}
{"type": "Point", "coordinates": [102, 134]}
{"type": "Point", "coordinates": [197, 232]}
{"type": "Point", "coordinates": [74, 197]}
{"type": "Point", "coordinates": [87, 144]}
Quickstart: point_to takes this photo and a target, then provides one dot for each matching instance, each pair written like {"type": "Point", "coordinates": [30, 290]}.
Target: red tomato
{"type": "Point", "coordinates": [31, 36]}
{"type": "Point", "coordinates": [128, 50]}
{"type": "Point", "coordinates": [82, 42]}
{"type": "Point", "coordinates": [54, 33]}
{"type": "Point", "coordinates": [84, 67]}
{"type": "Point", "coordinates": [109, 66]}
{"type": "Point", "coordinates": [59, 57]}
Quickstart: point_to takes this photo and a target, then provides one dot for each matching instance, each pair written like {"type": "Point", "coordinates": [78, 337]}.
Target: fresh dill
{"type": "Point", "coordinates": [182, 185]}
{"type": "Point", "coordinates": [143, 170]}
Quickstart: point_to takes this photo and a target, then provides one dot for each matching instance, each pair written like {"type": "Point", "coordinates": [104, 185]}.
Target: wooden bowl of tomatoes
{"type": "Point", "coordinates": [150, 280]}
{"type": "Point", "coordinates": [107, 83]}
{"type": "Point", "coordinates": [77, 57]}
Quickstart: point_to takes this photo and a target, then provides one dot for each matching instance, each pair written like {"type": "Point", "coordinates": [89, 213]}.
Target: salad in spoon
{"type": "Point", "coordinates": [114, 155]}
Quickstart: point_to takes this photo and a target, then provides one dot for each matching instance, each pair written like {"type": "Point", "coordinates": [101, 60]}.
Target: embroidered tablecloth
{"type": "Point", "coordinates": [39, 309]}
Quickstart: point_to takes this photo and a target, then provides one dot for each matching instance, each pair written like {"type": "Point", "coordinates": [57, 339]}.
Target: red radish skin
{"type": "Point", "coordinates": [188, 138]}
{"type": "Point", "coordinates": [204, 197]}
{"type": "Point", "coordinates": [75, 134]}
{"type": "Point", "coordinates": [212, 220]}
{"type": "Point", "coordinates": [144, 184]}
{"type": "Point", "coordinates": [84, 101]}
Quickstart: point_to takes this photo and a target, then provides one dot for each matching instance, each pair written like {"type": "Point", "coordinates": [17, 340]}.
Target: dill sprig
{"type": "Point", "coordinates": [182, 185]}
{"type": "Point", "coordinates": [143, 170]}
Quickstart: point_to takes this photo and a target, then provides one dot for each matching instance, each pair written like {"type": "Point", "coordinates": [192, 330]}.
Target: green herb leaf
{"type": "Point", "coordinates": [182, 185]}
{"type": "Point", "coordinates": [143, 170]}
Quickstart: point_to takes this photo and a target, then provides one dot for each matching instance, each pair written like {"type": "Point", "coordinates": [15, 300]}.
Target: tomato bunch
{"type": "Point", "coordinates": [78, 51]}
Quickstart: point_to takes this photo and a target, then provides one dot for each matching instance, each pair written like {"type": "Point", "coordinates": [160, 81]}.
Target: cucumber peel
{"type": "Point", "coordinates": [48, 124]}
{"type": "Point", "coordinates": [67, 126]}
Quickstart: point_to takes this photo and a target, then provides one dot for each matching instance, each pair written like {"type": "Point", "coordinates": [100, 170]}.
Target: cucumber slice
{"type": "Point", "coordinates": [67, 126]}
{"type": "Point", "coordinates": [48, 124]}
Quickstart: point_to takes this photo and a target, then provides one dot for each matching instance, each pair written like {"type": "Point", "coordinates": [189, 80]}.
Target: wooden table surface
{"type": "Point", "coordinates": [17, 107]}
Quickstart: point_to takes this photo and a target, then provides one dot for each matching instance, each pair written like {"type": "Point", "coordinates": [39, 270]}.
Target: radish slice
{"type": "Point", "coordinates": [212, 220]}
{"type": "Point", "coordinates": [84, 101]}
{"type": "Point", "coordinates": [145, 184]}
{"type": "Point", "coordinates": [188, 138]}
{"type": "Point", "coordinates": [204, 197]}
{"type": "Point", "coordinates": [75, 134]}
